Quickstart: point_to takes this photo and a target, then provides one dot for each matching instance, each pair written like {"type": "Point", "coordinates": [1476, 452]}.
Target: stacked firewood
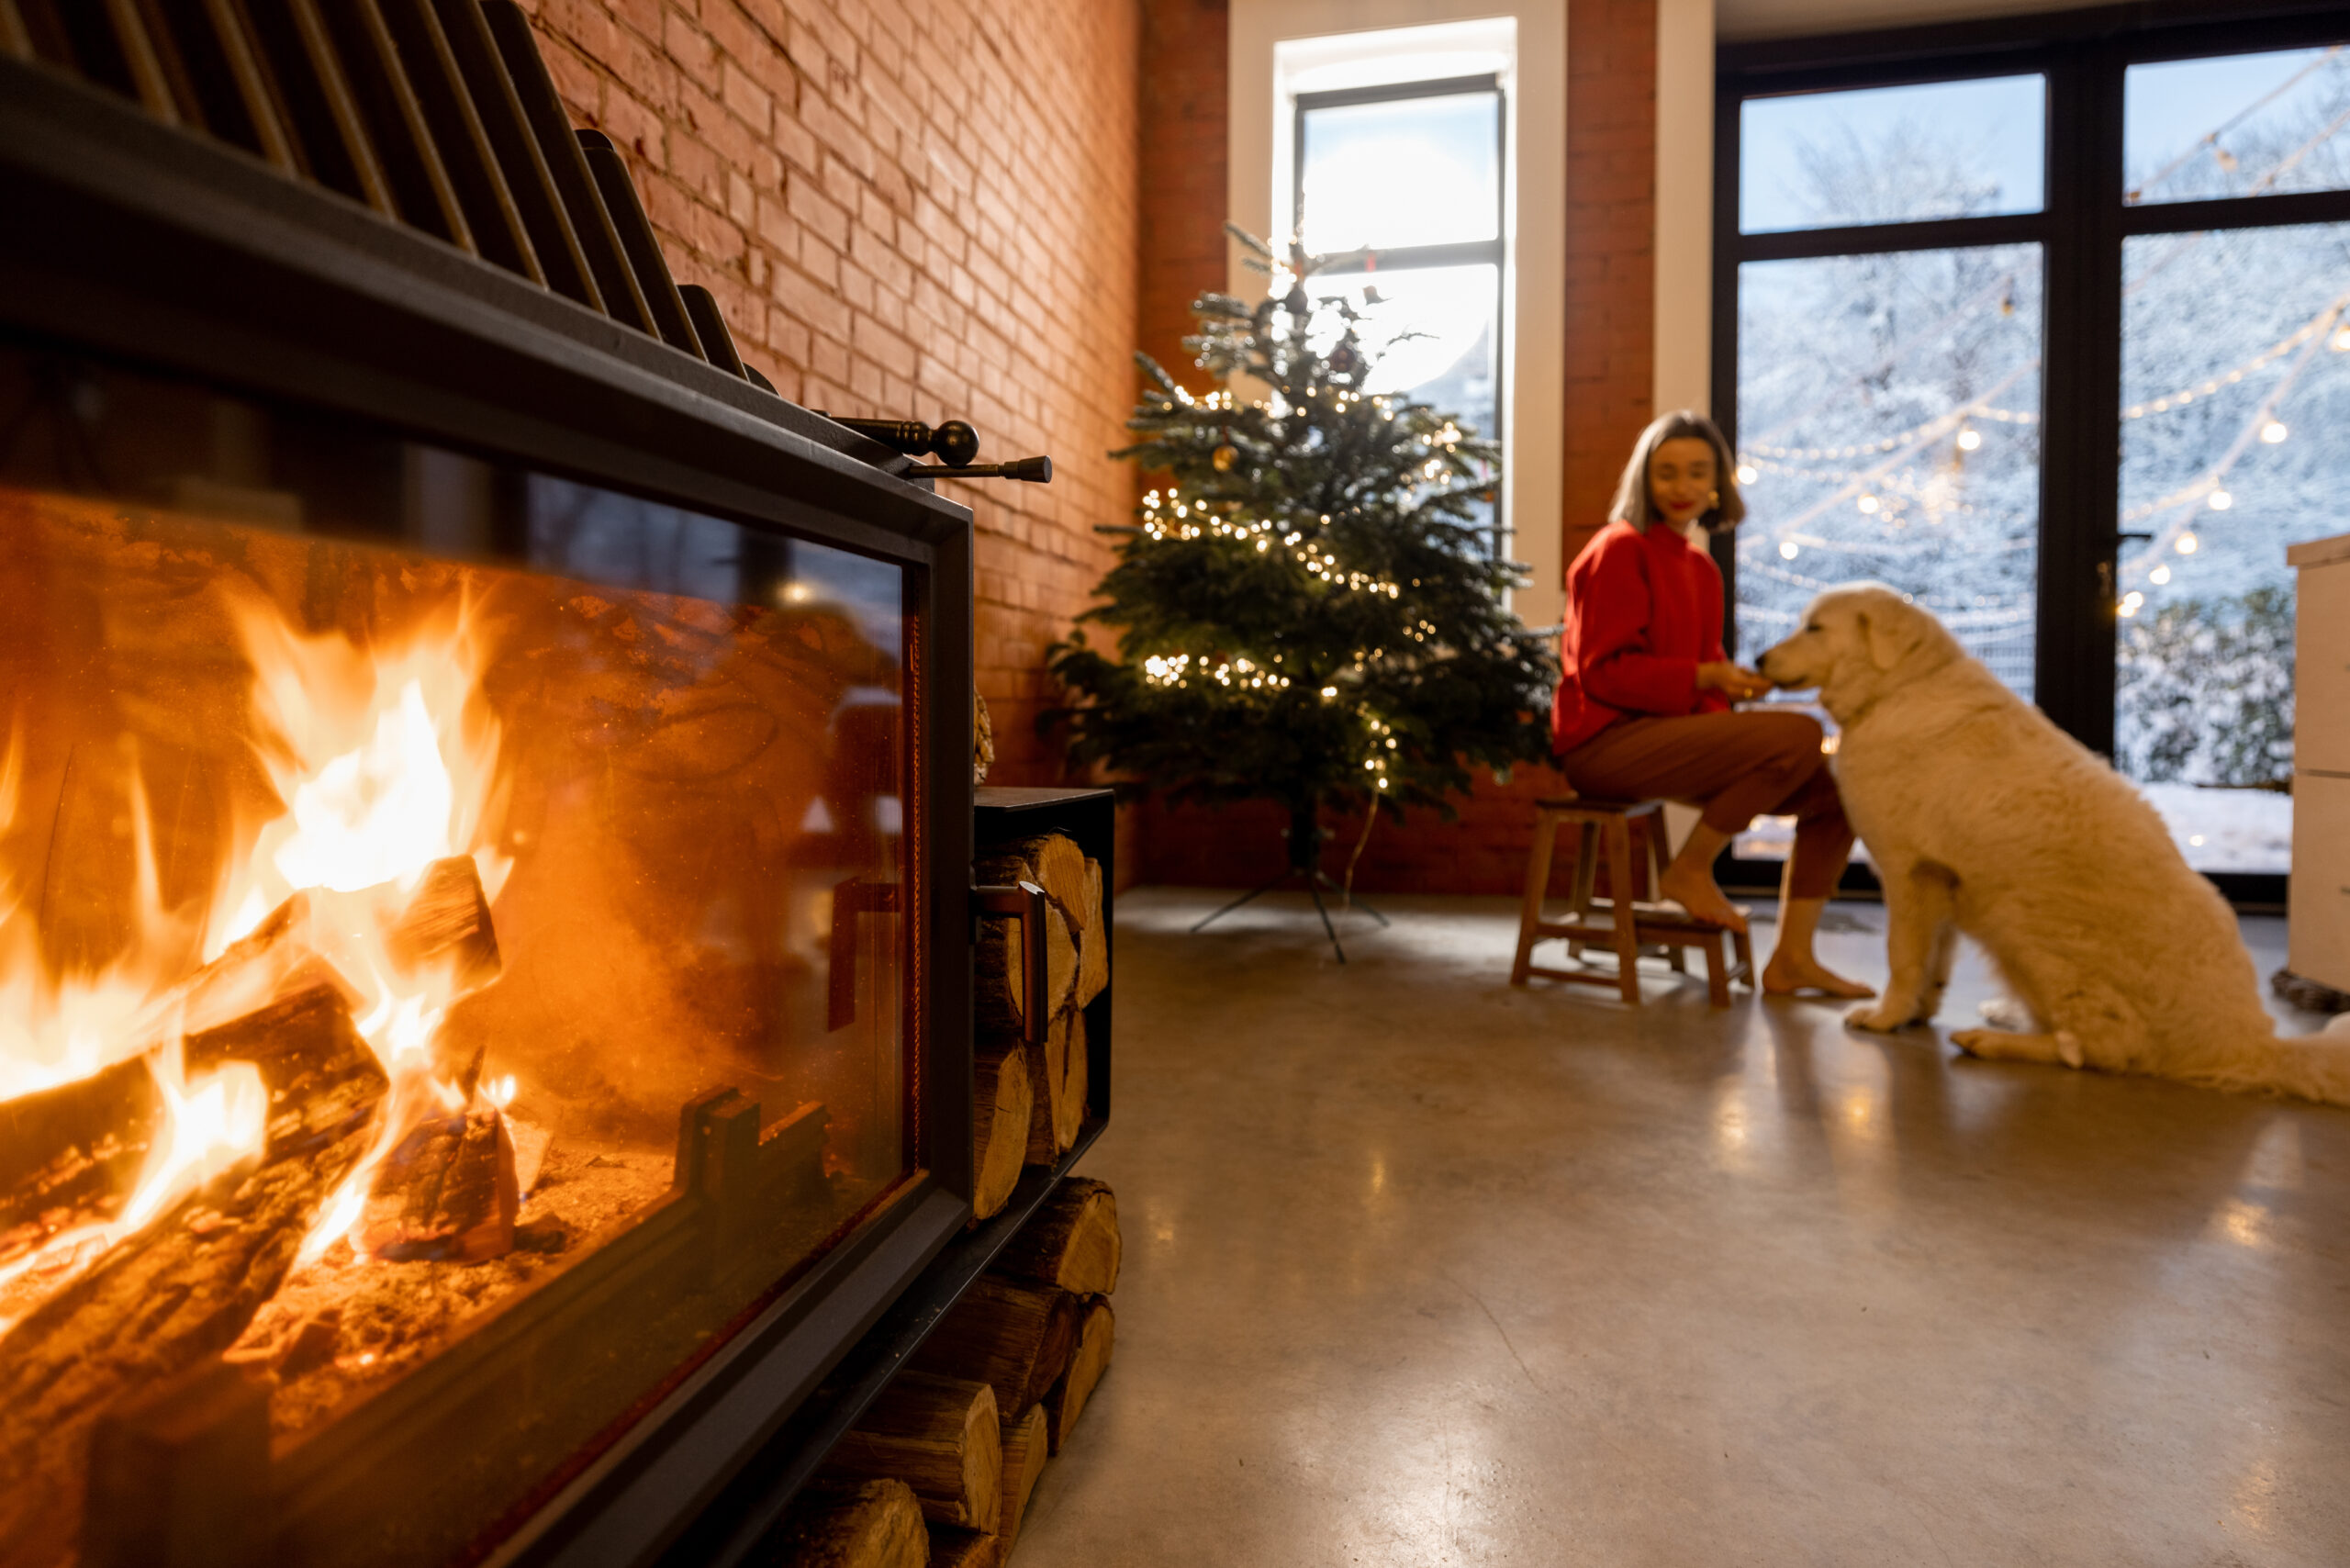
{"type": "Point", "coordinates": [940, 1469]}
{"type": "Point", "coordinates": [1030, 1104]}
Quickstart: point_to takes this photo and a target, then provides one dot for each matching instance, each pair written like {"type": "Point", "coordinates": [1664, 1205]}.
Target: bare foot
{"type": "Point", "coordinates": [1784, 976]}
{"type": "Point", "coordinates": [1695, 891]}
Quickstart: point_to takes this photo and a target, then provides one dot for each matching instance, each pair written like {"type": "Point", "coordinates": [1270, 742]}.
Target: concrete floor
{"type": "Point", "coordinates": [1421, 1270]}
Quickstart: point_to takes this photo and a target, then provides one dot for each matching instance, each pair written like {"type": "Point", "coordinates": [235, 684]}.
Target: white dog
{"type": "Point", "coordinates": [1985, 818]}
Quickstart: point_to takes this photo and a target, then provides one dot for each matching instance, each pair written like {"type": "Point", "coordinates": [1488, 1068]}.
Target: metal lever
{"type": "Point", "coordinates": [953, 441]}
{"type": "Point", "coordinates": [1023, 901]}
{"type": "Point", "coordinates": [1035, 470]}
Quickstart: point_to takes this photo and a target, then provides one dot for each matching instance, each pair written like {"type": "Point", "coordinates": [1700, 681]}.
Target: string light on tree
{"type": "Point", "coordinates": [2131, 602]}
{"type": "Point", "coordinates": [1789, 550]}
{"type": "Point", "coordinates": [2220, 500]}
{"type": "Point", "coordinates": [1314, 611]}
{"type": "Point", "coordinates": [1968, 440]}
{"type": "Point", "coordinates": [2185, 544]}
{"type": "Point", "coordinates": [2159, 576]}
{"type": "Point", "coordinates": [2274, 431]}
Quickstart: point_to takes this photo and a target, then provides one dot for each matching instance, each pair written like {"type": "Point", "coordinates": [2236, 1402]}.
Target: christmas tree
{"type": "Point", "coordinates": [1312, 610]}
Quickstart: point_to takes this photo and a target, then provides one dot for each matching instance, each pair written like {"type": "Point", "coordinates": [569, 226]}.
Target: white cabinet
{"type": "Point", "coordinates": [2319, 939]}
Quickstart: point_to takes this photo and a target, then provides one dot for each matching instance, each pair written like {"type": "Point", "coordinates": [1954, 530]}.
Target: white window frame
{"type": "Point", "coordinates": [1281, 47]}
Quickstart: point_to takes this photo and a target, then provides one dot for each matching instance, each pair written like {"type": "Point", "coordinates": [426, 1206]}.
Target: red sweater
{"type": "Point", "coordinates": [1643, 612]}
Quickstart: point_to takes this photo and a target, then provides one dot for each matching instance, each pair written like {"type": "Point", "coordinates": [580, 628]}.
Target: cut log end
{"type": "Point", "coordinates": [1027, 1446]}
{"type": "Point", "coordinates": [871, 1524]}
{"type": "Point", "coordinates": [1015, 1336]}
{"type": "Point", "coordinates": [1048, 1077]}
{"type": "Point", "coordinates": [939, 1435]}
{"type": "Point", "coordinates": [1067, 1401]}
{"type": "Point", "coordinates": [1073, 1242]}
{"type": "Point", "coordinates": [1003, 1105]}
{"type": "Point", "coordinates": [1092, 940]}
{"type": "Point", "coordinates": [952, 1548]}
{"type": "Point", "coordinates": [1069, 1107]}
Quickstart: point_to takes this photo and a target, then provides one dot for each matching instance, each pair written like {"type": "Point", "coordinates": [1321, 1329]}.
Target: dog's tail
{"type": "Point", "coordinates": [2308, 1067]}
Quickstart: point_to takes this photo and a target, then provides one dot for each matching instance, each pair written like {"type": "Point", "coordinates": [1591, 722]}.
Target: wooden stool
{"type": "Point", "coordinates": [1630, 927]}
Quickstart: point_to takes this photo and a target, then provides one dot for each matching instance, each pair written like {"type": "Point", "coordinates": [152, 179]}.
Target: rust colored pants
{"type": "Point", "coordinates": [1735, 768]}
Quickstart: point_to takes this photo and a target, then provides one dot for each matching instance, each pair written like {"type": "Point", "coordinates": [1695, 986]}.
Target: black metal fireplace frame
{"type": "Point", "coordinates": [125, 241]}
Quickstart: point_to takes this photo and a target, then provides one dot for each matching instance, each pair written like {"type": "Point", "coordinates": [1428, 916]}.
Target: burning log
{"type": "Point", "coordinates": [446, 927]}
{"type": "Point", "coordinates": [1003, 1104]}
{"type": "Point", "coordinates": [874, 1524]}
{"type": "Point", "coordinates": [1017, 1339]}
{"type": "Point", "coordinates": [323, 1081]}
{"type": "Point", "coordinates": [1071, 1243]}
{"type": "Point", "coordinates": [1067, 1400]}
{"type": "Point", "coordinates": [1025, 1449]}
{"type": "Point", "coordinates": [440, 933]}
{"type": "Point", "coordinates": [175, 1295]}
{"type": "Point", "coordinates": [940, 1436]}
{"type": "Point", "coordinates": [70, 1155]}
{"type": "Point", "coordinates": [447, 1191]}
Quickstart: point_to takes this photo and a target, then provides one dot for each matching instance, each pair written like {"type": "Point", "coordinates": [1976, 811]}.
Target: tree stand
{"type": "Point", "coordinates": [1306, 837]}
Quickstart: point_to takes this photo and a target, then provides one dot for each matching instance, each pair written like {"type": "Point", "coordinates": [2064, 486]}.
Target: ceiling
{"type": "Point", "coordinates": [1739, 20]}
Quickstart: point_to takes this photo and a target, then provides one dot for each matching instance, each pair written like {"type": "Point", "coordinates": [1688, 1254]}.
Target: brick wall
{"type": "Point", "coordinates": [1611, 158]}
{"type": "Point", "coordinates": [919, 209]}
{"type": "Point", "coordinates": [979, 209]}
{"type": "Point", "coordinates": [1183, 168]}
{"type": "Point", "coordinates": [1611, 249]}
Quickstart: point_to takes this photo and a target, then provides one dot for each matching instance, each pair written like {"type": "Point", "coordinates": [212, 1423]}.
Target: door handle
{"type": "Point", "coordinates": [1023, 901]}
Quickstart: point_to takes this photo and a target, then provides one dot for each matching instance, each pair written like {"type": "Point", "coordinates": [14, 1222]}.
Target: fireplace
{"type": "Point", "coordinates": [485, 830]}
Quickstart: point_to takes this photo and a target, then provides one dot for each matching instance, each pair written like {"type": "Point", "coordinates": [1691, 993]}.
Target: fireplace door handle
{"type": "Point", "coordinates": [1023, 901]}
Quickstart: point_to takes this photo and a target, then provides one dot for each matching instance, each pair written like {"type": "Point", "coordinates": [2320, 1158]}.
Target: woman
{"type": "Point", "coordinates": [1645, 710]}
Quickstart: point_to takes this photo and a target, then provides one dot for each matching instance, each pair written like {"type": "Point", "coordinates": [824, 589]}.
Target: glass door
{"type": "Point", "coordinates": [1889, 373]}
{"type": "Point", "coordinates": [2053, 335]}
{"type": "Point", "coordinates": [2236, 384]}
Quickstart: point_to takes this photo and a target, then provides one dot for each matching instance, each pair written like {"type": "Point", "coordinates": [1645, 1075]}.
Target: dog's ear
{"type": "Point", "coordinates": [1893, 634]}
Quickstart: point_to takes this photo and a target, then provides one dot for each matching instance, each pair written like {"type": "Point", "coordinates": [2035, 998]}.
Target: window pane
{"type": "Point", "coordinates": [2239, 125]}
{"type": "Point", "coordinates": [1892, 154]}
{"type": "Point", "coordinates": [1438, 327]}
{"type": "Point", "coordinates": [1407, 172]}
{"type": "Point", "coordinates": [2236, 436]}
{"type": "Point", "coordinates": [1432, 333]}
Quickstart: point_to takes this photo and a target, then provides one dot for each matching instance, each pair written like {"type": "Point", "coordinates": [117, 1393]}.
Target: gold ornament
{"type": "Point", "coordinates": [1223, 457]}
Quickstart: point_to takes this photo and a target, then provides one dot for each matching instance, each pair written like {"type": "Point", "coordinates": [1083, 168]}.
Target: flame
{"type": "Point", "coordinates": [380, 771]}
{"type": "Point", "coordinates": [383, 763]}
{"type": "Point", "coordinates": [209, 1128]}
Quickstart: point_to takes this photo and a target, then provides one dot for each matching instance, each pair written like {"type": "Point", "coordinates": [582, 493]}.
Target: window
{"type": "Point", "coordinates": [1400, 188]}
{"type": "Point", "coordinates": [2055, 337]}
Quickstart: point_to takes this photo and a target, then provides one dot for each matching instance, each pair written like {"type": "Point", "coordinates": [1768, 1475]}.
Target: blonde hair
{"type": "Point", "coordinates": [1632, 503]}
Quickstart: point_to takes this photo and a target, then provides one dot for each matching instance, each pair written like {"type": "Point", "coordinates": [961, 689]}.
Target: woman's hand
{"type": "Point", "coordinates": [1736, 681]}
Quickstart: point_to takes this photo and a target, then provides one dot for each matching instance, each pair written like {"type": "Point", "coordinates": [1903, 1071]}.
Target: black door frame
{"type": "Point", "coordinates": [2080, 230]}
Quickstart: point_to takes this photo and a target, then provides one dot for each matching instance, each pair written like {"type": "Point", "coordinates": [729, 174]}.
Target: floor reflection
{"type": "Point", "coordinates": [1431, 1270]}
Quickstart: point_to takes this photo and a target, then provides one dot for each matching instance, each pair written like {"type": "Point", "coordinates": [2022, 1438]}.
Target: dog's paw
{"type": "Point", "coordinates": [2005, 1012]}
{"type": "Point", "coordinates": [1878, 1020]}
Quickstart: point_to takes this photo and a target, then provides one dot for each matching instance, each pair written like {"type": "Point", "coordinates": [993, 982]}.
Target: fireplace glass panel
{"type": "Point", "coordinates": [401, 854]}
